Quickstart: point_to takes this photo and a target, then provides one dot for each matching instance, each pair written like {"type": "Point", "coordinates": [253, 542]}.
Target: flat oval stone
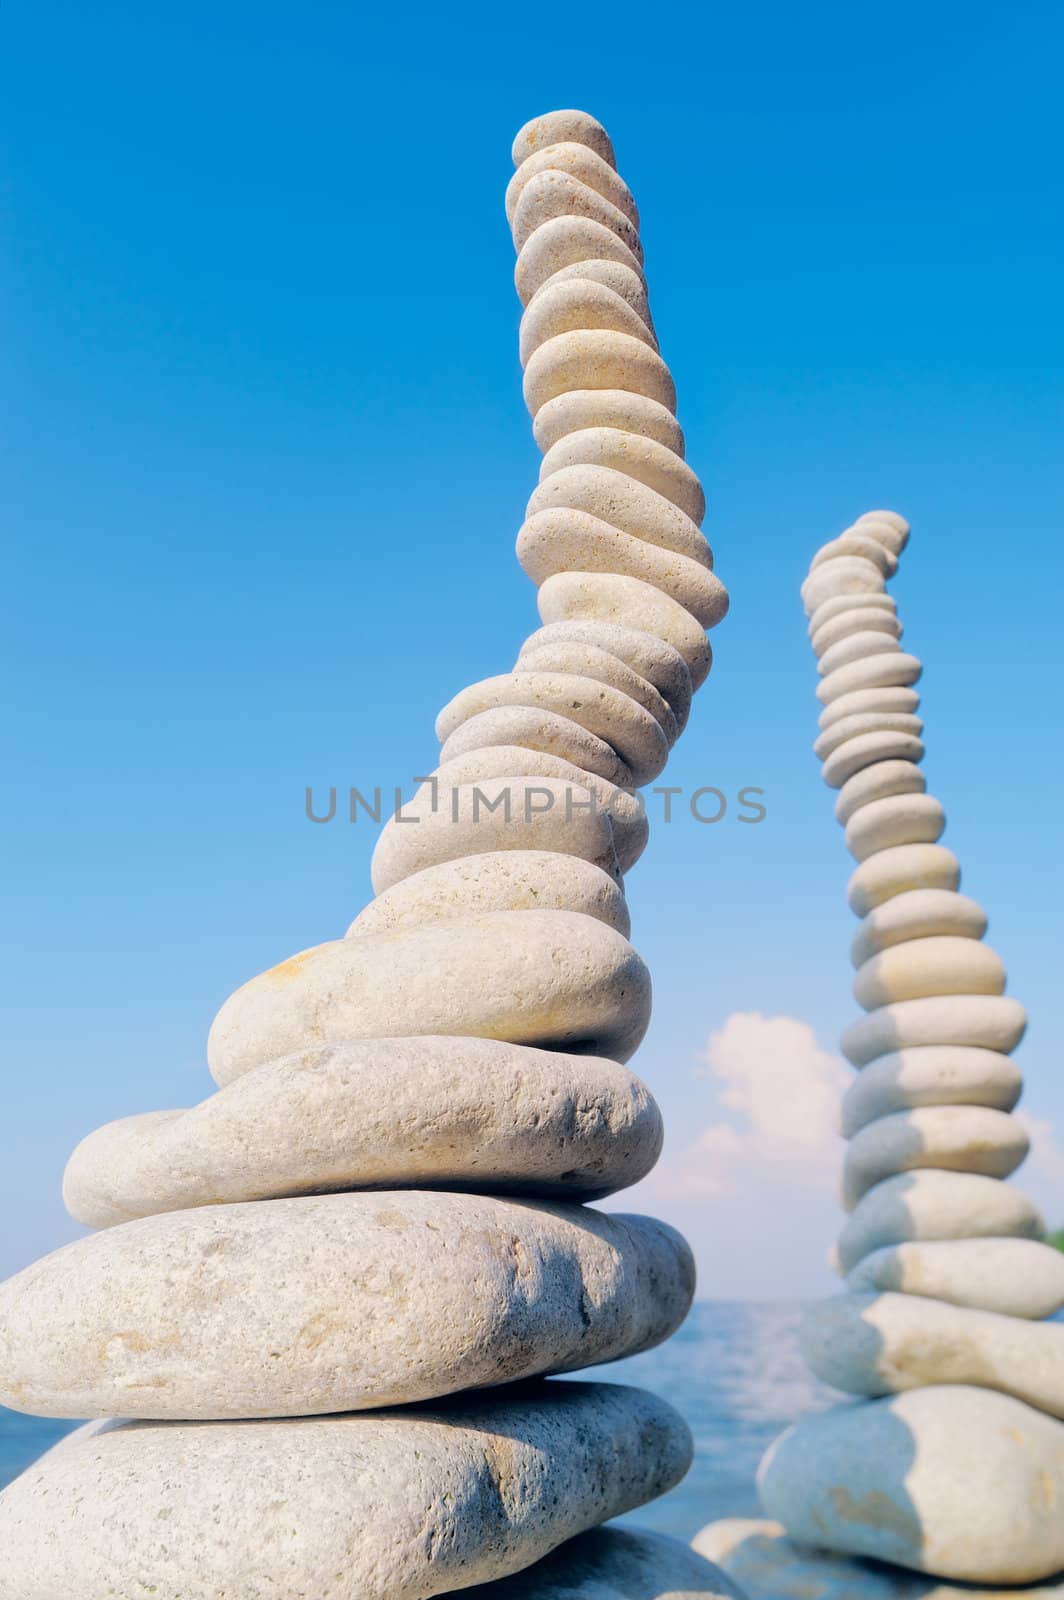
{"type": "Point", "coordinates": [948, 1138]}
{"type": "Point", "coordinates": [931, 1075]}
{"type": "Point", "coordinates": [579, 409]}
{"type": "Point", "coordinates": [917, 914]}
{"type": "Point", "coordinates": [590, 661]}
{"type": "Point", "coordinates": [386, 1506]}
{"type": "Point", "coordinates": [955, 1481]}
{"type": "Point", "coordinates": [863, 619]}
{"type": "Point", "coordinates": [867, 748]}
{"type": "Point", "coordinates": [625, 503]}
{"type": "Point", "coordinates": [562, 127]}
{"type": "Point", "coordinates": [526, 814]}
{"type": "Point", "coordinates": [757, 1555]}
{"type": "Point", "coordinates": [853, 543]}
{"type": "Point", "coordinates": [862, 723]}
{"type": "Point", "coordinates": [887, 1343]}
{"type": "Point", "coordinates": [840, 579]}
{"type": "Point", "coordinates": [642, 459]}
{"type": "Point", "coordinates": [612, 597]}
{"type": "Point", "coordinates": [878, 782]}
{"type": "Point", "coordinates": [562, 653]}
{"type": "Point", "coordinates": [564, 540]}
{"type": "Point", "coordinates": [989, 1021]}
{"type": "Point", "coordinates": [565, 303]}
{"type": "Point", "coordinates": [652, 659]}
{"type": "Point", "coordinates": [562, 243]}
{"type": "Point", "coordinates": [936, 965]}
{"type": "Point", "coordinates": [895, 819]}
{"type": "Point", "coordinates": [540, 729]}
{"type": "Point", "coordinates": [580, 161]}
{"type": "Point", "coordinates": [895, 871]}
{"type": "Point", "coordinates": [500, 880]}
{"type": "Point", "coordinates": [629, 283]}
{"type": "Point", "coordinates": [887, 669]}
{"type": "Point", "coordinates": [888, 526]}
{"type": "Point", "coordinates": [596, 359]}
{"type": "Point", "coordinates": [615, 1563]}
{"type": "Point", "coordinates": [836, 605]}
{"type": "Point", "coordinates": [624, 808]}
{"type": "Point", "coordinates": [554, 979]}
{"type": "Point", "coordinates": [930, 1205]}
{"type": "Point", "coordinates": [854, 647]}
{"type": "Point", "coordinates": [420, 1112]}
{"type": "Point", "coordinates": [342, 1302]}
{"type": "Point", "coordinates": [554, 192]}
{"type": "Point", "coordinates": [1016, 1277]}
{"type": "Point", "coordinates": [894, 697]}
{"type": "Point", "coordinates": [596, 707]}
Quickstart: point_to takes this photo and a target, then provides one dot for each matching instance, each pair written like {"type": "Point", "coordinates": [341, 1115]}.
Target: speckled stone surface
{"type": "Point", "coordinates": [388, 1506]}
{"type": "Point", "coordinates": [335, 1303]}
{"type": "Point", "coordinates": [422, 1112]}
{"type": "Point", "coordinates": [556, 979]}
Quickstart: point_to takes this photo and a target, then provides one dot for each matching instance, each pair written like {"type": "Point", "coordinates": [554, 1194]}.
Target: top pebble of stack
{"type": "Point", "coordinates": [563, 127]}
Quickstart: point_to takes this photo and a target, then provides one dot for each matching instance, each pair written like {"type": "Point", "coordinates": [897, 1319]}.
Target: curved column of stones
{"type": "Point", "coordinates": [612, 533]}
{"type": "Point", "coordinates": [329, 1234]}
{"type": "Point", "coordinates": [957, 1468]}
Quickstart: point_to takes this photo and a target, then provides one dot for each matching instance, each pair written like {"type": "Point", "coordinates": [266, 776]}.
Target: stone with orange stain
{"type": "Point", "coordinates": [952, 1481]}
{"type": "Point", "coordinates": [553, 979]}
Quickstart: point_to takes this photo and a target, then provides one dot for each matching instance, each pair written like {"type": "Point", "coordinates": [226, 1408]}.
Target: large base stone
{"type": "Point", "coordinates": [344, 1302]}
{"type": "Point", "coordinates": [759, 1556]}
{"type": "Point", "coordinates": [955, 1482]}
{"type": "Point", "coordinates": [615, 1564]}
{"type": "Point", "coordinates": [391, 1506]}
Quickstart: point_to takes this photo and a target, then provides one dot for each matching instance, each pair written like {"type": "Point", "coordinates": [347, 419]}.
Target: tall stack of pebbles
{"type": "Point", "coordinates": [307, 1292]}
{"type": "Point", "coordinates": [952, 1463]}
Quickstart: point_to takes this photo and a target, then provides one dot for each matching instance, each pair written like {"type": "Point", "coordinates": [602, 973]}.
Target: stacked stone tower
{"type": "Point", "coordinates": [297, 1282]}
{"type": "Point", "coordinates": [954, 1464]}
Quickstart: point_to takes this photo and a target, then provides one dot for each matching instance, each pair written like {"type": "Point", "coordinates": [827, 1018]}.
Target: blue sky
{"type": "Point", "coordinates": [266, 457]}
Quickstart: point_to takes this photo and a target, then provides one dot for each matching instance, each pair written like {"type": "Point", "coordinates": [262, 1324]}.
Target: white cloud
{"type": "Point", "coordinates": [782, 1088]}
{"type": "Point", "coordinates": [721, 1139]}
{"type": "Point", "coordinates": [1046, 1157]}
{"type": "Point", "coordinates": [777, 1095]}
{"type": "Point", "coordinates": [750, 1172]}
